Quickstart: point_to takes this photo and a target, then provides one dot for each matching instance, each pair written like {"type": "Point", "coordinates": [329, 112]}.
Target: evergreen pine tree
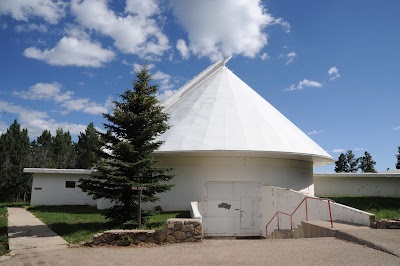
{"type": "Point", "coordinates": [64, 155]}
{"type": "Point", "coordinates": [88, 148]}
{"type": "Point", "coordinates": [347, 163]}
{"type": "Point", "coordinates": [367, 163]}
{"type": "Point", "coordinates": [128, 146]}
{"type": "Point", "coordinates": [398, 159]}
{"type": "Point", "coordinates": [15, 156]}
{"type": "Point", "coordinates": [42, 151]}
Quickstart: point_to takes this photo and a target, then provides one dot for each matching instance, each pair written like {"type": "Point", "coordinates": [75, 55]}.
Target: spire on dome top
{"type": "Point", "coordinates": [227, 59]}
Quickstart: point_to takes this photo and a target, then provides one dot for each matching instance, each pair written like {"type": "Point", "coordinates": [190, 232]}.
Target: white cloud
{"type": "Point", "coordinates": [291, 88]}
{"type": "Point", "coordinates": [309, 83]}
{"type": "Point", "coordinates": [338, 150]}
{"type": "Point", "coordinates": [53, 92]}
{"type": "Point", "coordinates": [304, 83]}
{"type": "Point", "coordinates": [135, 33]}
{"type": "Point", "coordinates": [212, 35]}
{"type": "Point", "coordinates": [283, 23]}
{"type": "Point", "coordinates": [37, 121]}
{"type": "Point", "coordinates": [314, 132]}
{"type": "Point", "coordinates": [333, 73]}
{"type": "Point", "coordinates": [264, 56]}
{"type": "Point", "coordinates": [109, 104]}
{"type": "Point", "coordinates": [142, 8]}
{"type": "Point", "coordinates": [45, 91]}
{"type": "Point", "coordinates": [396, 128]}
{"type": "Point", "coordinates": [31, 27]}
{"type": "Point", "coordinates": [290, 57]}
{"type": "Point", "coordinates": [163, 80]}
{"type": "Point", "coordinates": [51, 11]}
{"type": "Point", "coordinates": [71, 51]}
{"type": "Point", "coordinates": [183, 49]}
{"type": "Point", "coordinates": [358, 149]}
{"type": "Point", "coordinates": [3, 127]}
{"type": "Point", "coordinates": [165, 94]}
{"type": "Point", "coordinates": [84, 105]}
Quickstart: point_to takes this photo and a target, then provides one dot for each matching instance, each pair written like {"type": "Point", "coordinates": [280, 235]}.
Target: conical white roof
{"type": "Point", "coordinates": [216, 112]}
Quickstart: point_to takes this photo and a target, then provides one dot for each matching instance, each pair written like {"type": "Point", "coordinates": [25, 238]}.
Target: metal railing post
{"type": "Point", "coordinates": [306, 210]}
{"type": "Point", "coordinates": [278, 220]}
{"type": "Point", "coordinates": [291, 222]}
{"type": "Point", "coordinates": [330, 212]}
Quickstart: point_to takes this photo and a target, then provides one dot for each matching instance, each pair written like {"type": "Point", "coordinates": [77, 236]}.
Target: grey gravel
{"type": "Point", "coordinates": [316, 251]}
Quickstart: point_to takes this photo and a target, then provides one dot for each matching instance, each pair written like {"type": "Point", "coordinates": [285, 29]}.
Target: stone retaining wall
{"type": "Point", "coordinates": [387, 224]}
{"type": "Point", "coordinates": [183, 230]}
{"type": "Point", "coordinates": [175, 231]}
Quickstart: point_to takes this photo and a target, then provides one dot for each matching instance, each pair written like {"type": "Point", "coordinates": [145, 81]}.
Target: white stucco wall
{"type": "Point", "coordinates": [286, 200]}
{"type": "Point", "coordinates": [54, 192]}
{"type": "Point", "coordinates": [193, 173]}
{"type": "Point", "coordinates": [355, 184]}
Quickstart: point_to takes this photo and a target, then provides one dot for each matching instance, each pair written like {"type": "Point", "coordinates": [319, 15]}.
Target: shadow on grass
{"type": "Point", "coordinates": [72, 209]}
{"type": "Point", "coordinates": [14, 204]}
{"type": "Point", "coordinates": [66, 229]}
{"type": "Point", "coordinates": [369, 203]}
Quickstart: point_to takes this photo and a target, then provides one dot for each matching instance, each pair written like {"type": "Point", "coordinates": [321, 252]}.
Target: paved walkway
{"type": "Point", "coordinates": [34, 243]}
{"type": "Point", "coordinates": [387, 240]}
{"type": "Point", "coordinates": [310, 251]}
{"type": "Point", "coordinates": [27, 234]}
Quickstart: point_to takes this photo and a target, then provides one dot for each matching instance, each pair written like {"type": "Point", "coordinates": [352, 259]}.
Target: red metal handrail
{"type": "Point", "coordinates": [298, 206]}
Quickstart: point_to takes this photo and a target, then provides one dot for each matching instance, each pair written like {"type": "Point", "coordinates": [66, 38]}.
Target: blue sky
{"type": "Point", "coordinates": [331, 67]}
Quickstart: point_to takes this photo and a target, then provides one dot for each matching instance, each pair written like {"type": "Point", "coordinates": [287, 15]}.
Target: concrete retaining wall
{"type": "Point", "coordinates": [357, 184]}
{"type": "Point", "coordinates": [286, 200]}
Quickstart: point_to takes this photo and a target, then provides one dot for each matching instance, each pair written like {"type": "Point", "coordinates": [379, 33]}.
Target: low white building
{"type": "Point", "coordinates": [58, 187]}
{"type": "Point", "coordinates": [227, 146]}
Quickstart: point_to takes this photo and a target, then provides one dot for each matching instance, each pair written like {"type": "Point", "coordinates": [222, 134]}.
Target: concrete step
{"type": "Point", "coordinates": [281, 234]}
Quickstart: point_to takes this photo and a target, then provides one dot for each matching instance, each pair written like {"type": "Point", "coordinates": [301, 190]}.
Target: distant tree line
{"type": "Point", "coordinates": [348, 163]}
{"type": "Point", "coordinates": [46, 151]}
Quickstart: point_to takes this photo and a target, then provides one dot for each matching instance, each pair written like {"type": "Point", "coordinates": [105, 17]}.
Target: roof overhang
{"type": "Point", "coordinates": [364, 175]}
{"type": "Point", "coordinates": [58, 171]}
{"type": "Point", "coordinates": [317, 160]}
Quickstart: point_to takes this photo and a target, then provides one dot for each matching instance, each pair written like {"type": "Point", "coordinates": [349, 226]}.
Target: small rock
{"type": "Point", "coordinates": [198, 230]}
{"type": "Point", "coordinates": [151, 240]}
{"type": "Point", "coordinates": [170, 239]}
{"type": "Point", "coordinates": [177, 226]}
{"type": "Point", "coordinates": [163, 236]}
{"type": "Point", "coordinates": [187, 228]}
{"type": "Point", "coordinates": [180, 235]}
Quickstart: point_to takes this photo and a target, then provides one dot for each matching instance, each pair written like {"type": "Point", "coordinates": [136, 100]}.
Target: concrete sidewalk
{"type": "Point", "coordinates": [387, 240]}
{"type": "Point", "coordinates": [27, 234]}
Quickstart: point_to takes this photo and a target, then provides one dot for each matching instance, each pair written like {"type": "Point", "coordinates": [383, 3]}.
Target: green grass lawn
{"type": "Point", "coordinates": [387, 208]}
{"type": "Point", "coordinates": [3, 231]}
{"type": "Point", "coordinates": [77, 224]}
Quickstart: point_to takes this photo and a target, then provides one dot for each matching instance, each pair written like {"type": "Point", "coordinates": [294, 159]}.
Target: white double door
{"type": "Point", "coordinates": [232, 209]}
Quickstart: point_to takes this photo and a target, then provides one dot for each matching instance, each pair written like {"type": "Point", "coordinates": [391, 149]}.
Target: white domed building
{"type": "Point", "coordinates": [225, 143]}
